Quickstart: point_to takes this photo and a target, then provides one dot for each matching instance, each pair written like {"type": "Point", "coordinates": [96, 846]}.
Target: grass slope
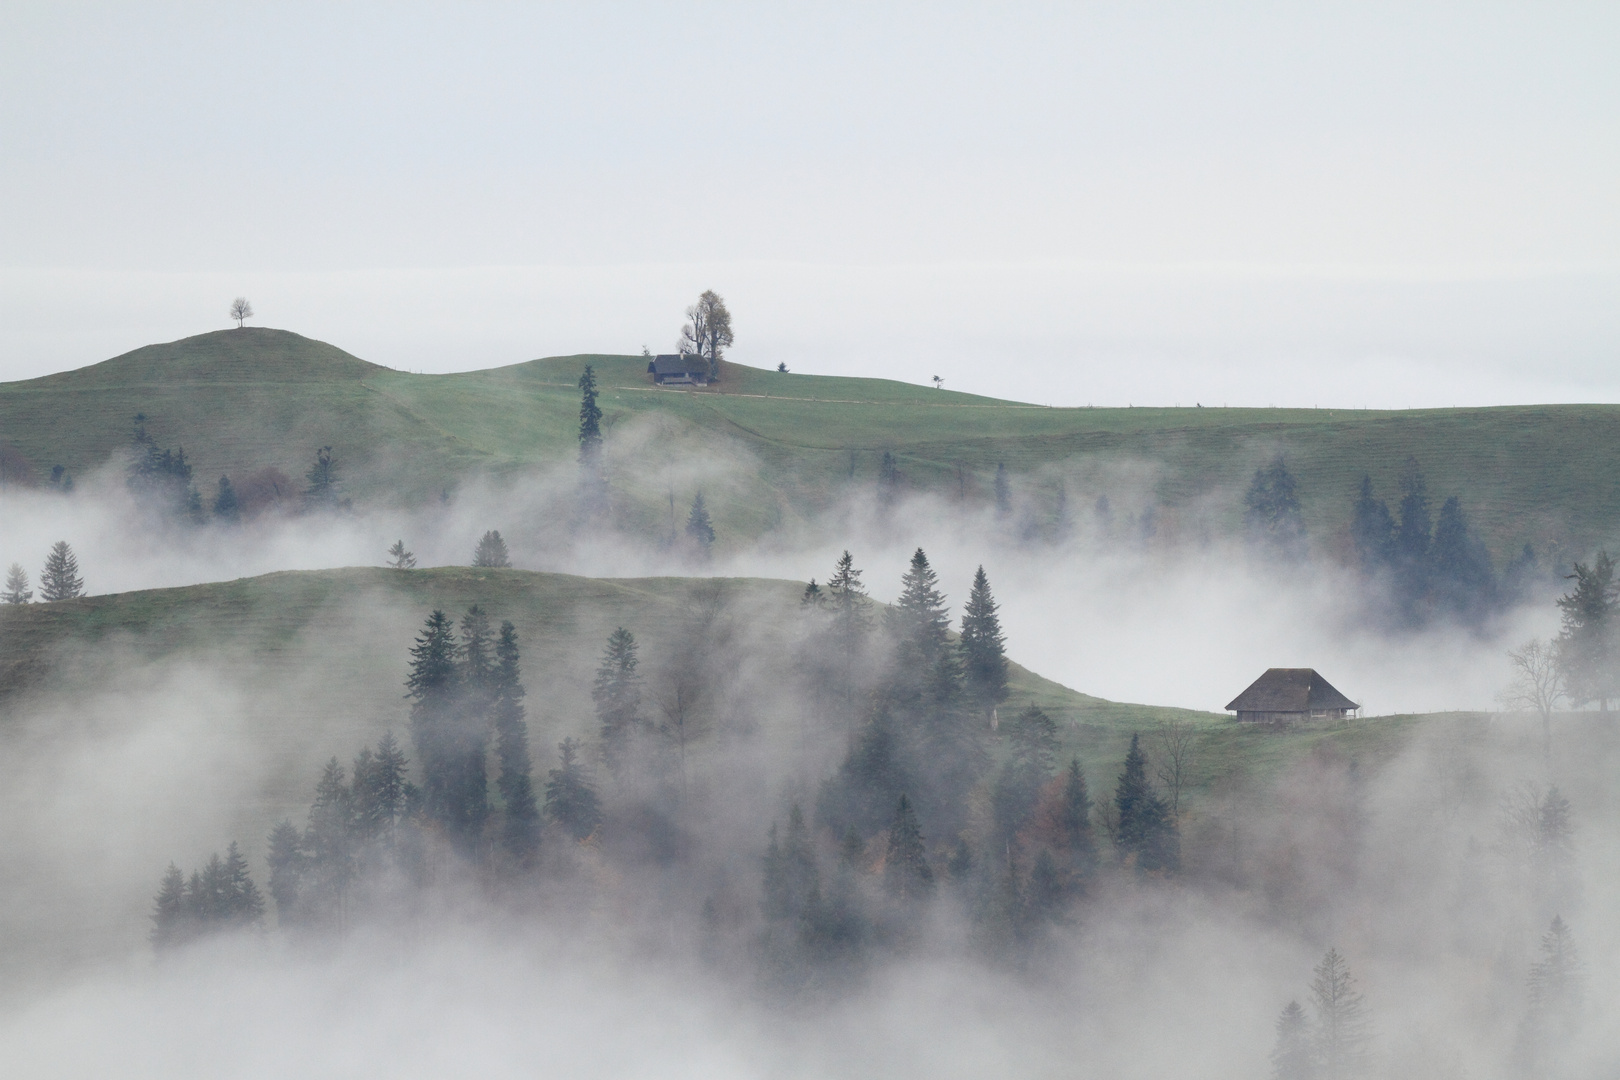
{"type": "Point", "coordinates": [315, 661]}
{"type": "Point", "coordinates": [238, 400]}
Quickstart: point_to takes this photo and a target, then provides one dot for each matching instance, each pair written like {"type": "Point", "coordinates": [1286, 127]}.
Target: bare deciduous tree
{"type": "Point", "coordinates": [1537, 686]}
{"type": "Point", "coordinates": [241, 309]}
{"type": "Point", "coordinates": [707, 332]}
{"type": "Point", "coordinates": [1173, 739]}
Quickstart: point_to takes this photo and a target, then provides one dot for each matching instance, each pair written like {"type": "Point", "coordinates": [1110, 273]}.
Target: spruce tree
{"type": "Point", "coordinates": [590, 422]}
{"type": "Point", "coordinates": [60, 579]}
{"type": "Point", "coordinates": [491, 551]}
{"type": "Point", "coordinates": [617, 695]}
{"type": "Point", "coordinates": [1272, 512]}
{"type": "Point", "coordinates": [906, 873]}
{"type": "Point", "coordinates": [699, 529]}
{"type": "Point", "coordinates": [1343, 1032]}
{"type": "Point", "coordinates": [983, 648]}
{"type": "Point", "coordinates": [1464, 582]}
{"type": "Point", "coordinates": [329, 847]}
{"type": "Point", "coordinates": [1146, 828]}
{"type": "Point", "coordinates": [1293, 1057]}
{"type": "Point", "coordinates": [1075, 821]}
{"type": "Point", "coordinates": [226, 506]}
{"type": "Point", "coordinates": [1555, 987]}
{"type": "Point", "coordinates": [1032, 739]}
{"type": "Point", "coordinates": [431, 685]}
{"type": "Point", "coordinates": [171, 914]}
{"type": "Point", "coordinates": [1412, 544]}
{"type": "Point", "coordinates": [399, 558]}
{"type": "Point", "coordinates": [286, 859]}
{"type": "Point", "coordinates": [1372, 530]}
{"type": "Point", "coordinates": [1003, 490]}
{"type": "Point", "coordinates": [17, 590]}
{"type": "Point", "coordinates": [520, 834]}
{"type": "Point", "coordinates": [812, 596]}
{"type": "Point", "coordinates": [1586, 642]}
{"type": "Point", "coordinates": [922, 618]}
{"type": "Point", "coordinates": [243, 906]}
{"type": "Point", "coordinates": [888, 479]}
{"type": "Point", "coordinates": [322, 493]}
{"type": "Point", "coordinates": [850, 622]}
{"type": "Point", "coordinates": [792, 879]}
{"type": "Point", "coordinates": [571, 799]}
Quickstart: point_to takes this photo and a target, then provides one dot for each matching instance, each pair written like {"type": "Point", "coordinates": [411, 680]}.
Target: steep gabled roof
{"type": "Point", "coordinates": [1290, 690]}
{"type": "Point", "coordinates": [678, 364]}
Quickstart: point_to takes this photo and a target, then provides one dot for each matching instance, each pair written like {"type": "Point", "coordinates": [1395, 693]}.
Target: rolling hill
{"type": "Point", "coordinates": [240, 400]}
{"type": "Point", "coordinates": [311, 664]}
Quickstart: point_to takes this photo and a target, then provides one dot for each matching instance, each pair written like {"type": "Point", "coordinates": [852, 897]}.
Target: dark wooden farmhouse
{"type": "Point", "coordinates": [679, 369]}
{"type": "Point", "coordinates": [1284, 694]}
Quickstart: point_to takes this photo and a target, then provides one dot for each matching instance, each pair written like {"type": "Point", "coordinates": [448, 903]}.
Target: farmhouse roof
{"type": "Point", "coordinates": [1290, 690]}
{"type": "Point", "coordinates": [678, 364]}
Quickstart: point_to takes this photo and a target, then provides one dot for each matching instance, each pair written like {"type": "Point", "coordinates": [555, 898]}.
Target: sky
{"type": "Point", "coordinates": [1379, 205]}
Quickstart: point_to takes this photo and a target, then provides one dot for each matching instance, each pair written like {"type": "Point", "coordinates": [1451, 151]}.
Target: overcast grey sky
{"type": "Point", "coordinates": [1358, 204]}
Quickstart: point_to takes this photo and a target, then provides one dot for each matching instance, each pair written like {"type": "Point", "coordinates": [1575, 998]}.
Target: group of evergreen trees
{"type": "Point", "coordinates": [220, 896]}
{"type": "Point", "coordinates": [59, 580]}
{"type": "Point", "coordinates": [162, 479]}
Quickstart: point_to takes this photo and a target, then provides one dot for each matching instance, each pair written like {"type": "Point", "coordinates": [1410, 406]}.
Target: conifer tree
{"type": "Point", "coordinates": [432, 687]}
{"type": "Point", "coordinates": [590, 422]}
{"type": "Point", "coordinates": [286, 859]}
{"type": "Point", "coordinates": [906, 873]}
{"type": "Point", "coordinates": [1075, 819]}
{"type": "Point", "coordinates": [243, 906]}
{"type": "Point", "coordinates": [1412, 543]}
{"type": "Point", "coordinates": [17, 590]}
{"type": "Point", "coordinates": [792, 879]}
{"type": "Point", "coordinates": [322, 493]}
{"type": "Point", "coordinates": [399, 558]}
{"type": "Point", "coordinates": [922, 618]}
{"type": "Point", "coordinates": [1003, 490]}
{"type": "Point", "coordinates": [983, 648]}
{"type": "Point", "coordinates": [226, 506]}
{"type": "Point", "coordinates": [699, 529]}
{"type": "Point", "coordinates": [888, 479]}
{"type": "Point", "coordinates": [1145, 826]}
{"type": "Point", "coordinates": [812, 597]}
{"type": "Point", "coordinates": [329, 847]}
{"type": "Point", "coordinates": [1586, 643]}
{"type": "Point", "coordinates": [1272, 513]}
{"type": "Point", "coordinates": [850, 622]}
{"type": "Point", "coordinates": [1293, 1058]}
{"type": "Point", "coordinates": [171, 913]}
{"type": "Point", "coordinates": [571, 799]}
{"type": "Point", "coordinates": [1555, 987]}
{"type": "Point", "coordinates": [1372, 530]}
{"type": "Point", "coordinates": [491, 551]}
{"type": "Point", "coordinates": [1343, 1032]}
{"type": "Point", "coordinates": [1463, 579]}
{"type": "Point", "coordinates": [520, 833]}
{"type": "Point", "coordinates": [60, 579]}
{"type": "Point", "coordinates": [617, 694]}
{"type": "Point", "coordinates": [1032, 740]}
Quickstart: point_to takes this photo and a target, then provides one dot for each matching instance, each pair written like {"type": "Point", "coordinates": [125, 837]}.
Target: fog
{"type": "Point", "coordinates": [1411, 864]}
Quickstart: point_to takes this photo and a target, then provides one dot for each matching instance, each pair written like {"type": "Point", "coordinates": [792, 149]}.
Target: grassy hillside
{"type": "Point", "coordinates": [239, 400]}
{"type": "Point", "coordinates": [314, 662]}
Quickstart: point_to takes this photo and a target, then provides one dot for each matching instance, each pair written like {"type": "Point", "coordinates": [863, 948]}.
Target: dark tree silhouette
{"type": "Point", "coordinates": [571, 799]}
{"type": "Point", "coordinates": [984, 655]}
{"type": "Point", "coordinates": [60, 579]}
{"type": "Point", "coordinates": [491, 551]}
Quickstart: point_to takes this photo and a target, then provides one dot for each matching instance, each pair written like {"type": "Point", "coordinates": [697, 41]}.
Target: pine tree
{"type": "Point", "coordinates": [17, 590]}
{"type": "Point", "coordinates": [60, 579]}
{"type": "Point", "coordinates": [399, 558]}
{"type": "Point", "coordinates": [792, 879]}
{"type": "Point", "coordinates": [322, 493]}
{"type": "Point", "coordinates": [1413, 542]}
{"type": "Point", "coordinates": [1272, 512]}
{"type": "Point", "coordinates": [1145, 826]}
{"type": "Point", "coordinates": [171, 914]}
{"type": "Point", "coordinates": [983, 648]}
{"type": "Point", "coordinates": [906, 873]}
{"type": "Point", "coordinates": [1032, 740]}
{"type": "Point", "coordinates": [617, 694]}
{"type": "Point", "coordinates": [922, 618]}
{"type": "Point", "coordinates": [286, 859]}
{"type": "Point", "coordinates": [812, 597]}
{"type": "Point", "coordinates": [1372, 530]}
{"type": "Point", "coordinates": [226, 506]}
{"type": "Point", "coordinates": [1343, 1033]}
{"type": "Point", "coordinates": [850, 622]}
{"type": "Point", "coordinates": [1293, 1058]}
{"type": "Point", "coordinates": [699, 529]}
{"type": "Point", "coordinates": [329, 847]}
{"type": "Point", "coordinates": [491, 551]}
{"type": "Point", "coordinates": [571, 799]}
{"type": "Point", "coordinates": [1586, 641]}
{"type": "Point", "coordinates": [520, 833]}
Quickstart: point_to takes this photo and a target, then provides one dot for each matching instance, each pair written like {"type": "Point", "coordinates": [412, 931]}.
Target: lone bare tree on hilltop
{"type": "Point", "coordinates": [241, 309]}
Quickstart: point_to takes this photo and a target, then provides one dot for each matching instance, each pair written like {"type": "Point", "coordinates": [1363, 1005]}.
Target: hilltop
{"type": "Point", "coordinates": [240, 400]}
{"type": "Point", "coordinates": [315, 660]}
